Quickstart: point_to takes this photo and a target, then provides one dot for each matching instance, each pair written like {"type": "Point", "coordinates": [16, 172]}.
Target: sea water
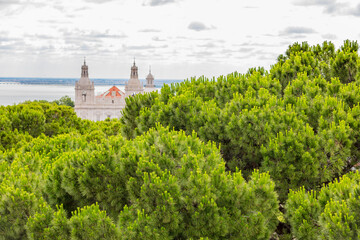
{"type": "Point", "coordinates": [14, 93]}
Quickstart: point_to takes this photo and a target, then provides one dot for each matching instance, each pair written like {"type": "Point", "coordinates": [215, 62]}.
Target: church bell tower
{"type": "Point", "coordinates": [134, 85]}
{"type": "Point", "coordinates": [150, 80]}
{"type": "Point", "coordinates": [84, 88]}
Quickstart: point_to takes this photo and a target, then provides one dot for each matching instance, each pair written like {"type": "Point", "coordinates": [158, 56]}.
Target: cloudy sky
{"type": "Point", "coordinates": [178, 38]}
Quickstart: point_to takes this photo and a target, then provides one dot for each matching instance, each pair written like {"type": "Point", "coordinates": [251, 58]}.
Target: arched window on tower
{"type": "Point", "coordinates": [84, 96]}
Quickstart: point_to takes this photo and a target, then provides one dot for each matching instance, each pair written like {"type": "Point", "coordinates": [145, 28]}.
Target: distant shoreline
{"type": "Point", "coordinates": [71, 81]}
{"type": "Point", "coordinates": [18, 90]}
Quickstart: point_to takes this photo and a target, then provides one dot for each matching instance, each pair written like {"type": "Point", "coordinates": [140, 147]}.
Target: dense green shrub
{"type": "Point", "coordinates": [331, 213]}
{"type": "Point", "coordinates": [48, 224]}
{"type": "Point", "coordinates": [85, 223]}
{"type": "Point", "coordinates": [33, 119]}
{"type": "Point", "coordinates": [130, 113]}
{"type": "Point", "coordinates": [297, 62]}
{"type": "Point", "coordinates": [66, 101]}
{"type": "Point", "coordinates": [16, 206]}
{"type": "Point", "coordinates": [173, 178]}
{"type": "Point", "coordinates": [81, 178]}
{"type": "Point", "coordinates": [345, 65]}
{"type": "Point", "coordinates": [20, 123]}
{"type": "Point", "coordinates": [92, 223]}
{"type": "Point", "coordinates": [179, 188]}
{"type": "Point", "coordinates": [297, 159]}
{"type": "Point", "coordinates": [223, 208]}
{"type": "Point", "coordinates": [249, 129]}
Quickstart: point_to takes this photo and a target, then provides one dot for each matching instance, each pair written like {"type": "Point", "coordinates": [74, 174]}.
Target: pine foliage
{"type": "Point", "coordinates": [203, 159]}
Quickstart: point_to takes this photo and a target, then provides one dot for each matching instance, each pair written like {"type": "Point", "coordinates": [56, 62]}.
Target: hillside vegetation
{"type": "Point", "coordinates": [266, 154]}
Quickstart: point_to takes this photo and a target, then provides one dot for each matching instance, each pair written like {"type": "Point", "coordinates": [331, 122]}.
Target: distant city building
{"type": "Point", "coordinates": [110, 103]}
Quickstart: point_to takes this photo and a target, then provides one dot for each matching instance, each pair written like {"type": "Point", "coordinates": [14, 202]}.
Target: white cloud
{"type": "Point", "coordinates": [99, 1]}
{"type": "Point", "coordinates": [332, 7]}
{"type": "Point", "coordinates": [297, 30]}
{"type": "Point", "coordinates": [314, 2]}
{"type": "Point", "coordinates": [199, 26]}
{"type": "Point", "coordinates": [329, 36]}
{"type": "Point", "coordinates": [177, 37]}
{"type": "Point", "coordinates": [149, 30]}
{"type": "Point", "coordinates": [158, 2]}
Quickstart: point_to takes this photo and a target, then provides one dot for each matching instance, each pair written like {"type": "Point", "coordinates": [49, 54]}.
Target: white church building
{"type": "Point", "coordinates": [110, 103]}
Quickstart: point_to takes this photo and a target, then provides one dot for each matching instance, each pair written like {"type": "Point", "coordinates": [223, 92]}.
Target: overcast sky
{"type": "Point", "coordinates": [178, 38]}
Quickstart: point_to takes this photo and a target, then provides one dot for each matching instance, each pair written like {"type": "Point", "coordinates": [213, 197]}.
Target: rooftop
{"type": "Point", "coordinates": [112, 92]}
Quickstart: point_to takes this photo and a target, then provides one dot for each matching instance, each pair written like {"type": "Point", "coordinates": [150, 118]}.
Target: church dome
{"type": "Point", "coordinates": [150, 76]}
{"type": "Point", "coordinates": [134, 67]}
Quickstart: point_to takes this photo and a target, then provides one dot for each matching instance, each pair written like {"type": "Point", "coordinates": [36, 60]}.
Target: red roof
{"type": "Point", "coordinates": [112, 92]}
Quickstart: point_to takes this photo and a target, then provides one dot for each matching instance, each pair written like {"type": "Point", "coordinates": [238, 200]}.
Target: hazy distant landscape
{"type": "Point", "coordinates": [71, 81]}
{"type": "Point", "coordinates": [17, 90]}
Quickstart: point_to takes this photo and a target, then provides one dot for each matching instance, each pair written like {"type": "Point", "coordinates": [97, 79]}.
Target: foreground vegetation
{"type": "Point", "coordinates": [266, 154]}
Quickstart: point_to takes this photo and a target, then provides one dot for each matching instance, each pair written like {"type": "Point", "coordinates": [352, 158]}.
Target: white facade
{"type": "Point", "coordinates": [110, 103]}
